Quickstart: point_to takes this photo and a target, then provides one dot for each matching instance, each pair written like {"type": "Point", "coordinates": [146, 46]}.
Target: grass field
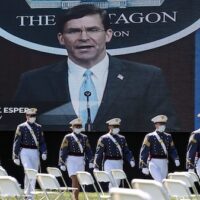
{"type": "Point", "coordinates": [91, 195]}
{"type": "Point", "coordinates": [66, 196]}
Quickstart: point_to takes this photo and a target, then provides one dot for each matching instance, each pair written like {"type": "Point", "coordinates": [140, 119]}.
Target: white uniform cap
{"type": "Point", "coordinates": [76, 121]}
{"type": "Point", "coordinates": [198, 115]}
{"type": "Point", "coordinates": [114, 121]}
{"type": "Point", "coordinates": [159, 118]}
{"type": "Point", "coordinates": [31, 111]}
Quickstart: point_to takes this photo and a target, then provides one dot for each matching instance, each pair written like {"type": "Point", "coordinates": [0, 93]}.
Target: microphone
{"type": "Point", "coordinates": [87, 93]}
{"type": "Point", "coordinates": [88, 125]}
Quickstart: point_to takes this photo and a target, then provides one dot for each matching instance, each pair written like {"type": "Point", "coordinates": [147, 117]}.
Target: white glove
{"type": "Point", "coordinates": [63, 168]}
{"type": "Point", "coordinates": [145, 171]}
{"type": "Point", "coordinates": [132, 163]}
{"type": "Point", "coordinates": [44, 156]}
{"type": "Point", "coordinates": [91, 165]}
{"type": "Point", "coordinates": [177, 163]}
{"type": "Point", "coordinates": [190, 170]}
{"type": "Point", "coordinates": [17, 161]}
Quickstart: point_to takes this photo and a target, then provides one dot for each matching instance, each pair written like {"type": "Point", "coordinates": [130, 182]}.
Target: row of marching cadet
{"type": "Point", "coordinates": [112, 148]}
{"type": "Point", "coordinates": [178, 185]}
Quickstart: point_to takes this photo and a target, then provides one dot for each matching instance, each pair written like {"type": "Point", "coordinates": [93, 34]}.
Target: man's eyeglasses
{"type": "Point", "coordinates": [115, 126]}
{"type": "Point", "coordinates": [77, 126]}
{"type": "Point", "coordinates": [89, 31]}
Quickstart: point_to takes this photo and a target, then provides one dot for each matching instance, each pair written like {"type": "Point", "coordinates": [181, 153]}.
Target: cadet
{"type": "Point", "coordinates": [193, 151]}
{"type": "Point", "coordinates": [28, 144]}
{"type": "Point", "coordinates": [113, 149]}
{"type": "Point", "coordinates": [155, 149]}
{"type": "Point", "coordinates": [74, 148]}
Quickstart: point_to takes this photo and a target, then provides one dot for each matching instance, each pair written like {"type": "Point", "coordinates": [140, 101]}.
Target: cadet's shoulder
{"type": "Point", "coordinates": [195, 134]}
{"type": "Point", "coordinates": [38, 125]}
{"type": "Point", "coordinates": [194, 137]}
{"type": "Point", "coordinates": [69, 135]}
{"type": "Point", "coordinates": [168, 134]}
{"type": "Point", "coordinates": [121, 136]}
{"type": "Point", "coordinates": [84, 135]}
{"type": "Point", "coordinates": [196, 131]}
{"type": "Point", "coordinates": [151, 134]}
{"type": "Point", "coordinates": [105, 136]}
{"type": "Point", "coordinates": [22, 125]}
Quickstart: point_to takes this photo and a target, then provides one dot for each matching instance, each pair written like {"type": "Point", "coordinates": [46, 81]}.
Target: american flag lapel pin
{"type": "Point", "coordinates": [119, 76]}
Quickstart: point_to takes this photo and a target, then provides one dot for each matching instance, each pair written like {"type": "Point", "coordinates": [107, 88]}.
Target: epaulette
{"type": "Point", "coordinates": [64, 143]}
{"type": "Point", "coordinates": [146, 142]}
{"type": "Point", "coordinates": [99, 142]}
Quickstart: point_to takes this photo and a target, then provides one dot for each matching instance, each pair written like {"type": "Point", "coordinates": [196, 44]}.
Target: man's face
{"type": "Point", "coordinates": [85, 40]}
{"type": "Point", "coordinates": [111, 127]}
{"type": "Point", "coordinates": [158, 124]}
{"type": "Point", "coordinates": [31, 118]}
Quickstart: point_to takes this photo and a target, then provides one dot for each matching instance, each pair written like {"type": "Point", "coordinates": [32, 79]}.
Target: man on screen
{"type": "Point", "coordinates": [90, 78]}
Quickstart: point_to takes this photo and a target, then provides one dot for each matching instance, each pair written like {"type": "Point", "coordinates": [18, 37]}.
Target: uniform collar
{"type": "Point", "coordinates": [31, 124]}
{"type": "Point", "coordinates": [159, 132]}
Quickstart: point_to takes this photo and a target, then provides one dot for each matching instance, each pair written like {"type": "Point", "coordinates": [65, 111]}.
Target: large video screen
{"type": "Point", "coordinates": [151, 67]}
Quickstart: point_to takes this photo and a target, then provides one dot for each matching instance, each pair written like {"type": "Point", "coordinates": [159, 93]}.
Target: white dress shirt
{"type": "Point", "coordinates": [75, 79]}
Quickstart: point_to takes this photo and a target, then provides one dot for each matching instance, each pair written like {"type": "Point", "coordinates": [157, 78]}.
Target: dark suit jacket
{"type": "Point", "coordinates": [134, 92]}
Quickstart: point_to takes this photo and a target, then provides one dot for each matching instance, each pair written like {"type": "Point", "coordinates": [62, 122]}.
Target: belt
{"type": "Point", "coordinates": [159, 156]}
{"type": "Point", "coordinates": [113, 158]}
{"type": "Point", "coordinates": [75, 154]}
{"type": "Point", "coordinates": [28, 146]}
